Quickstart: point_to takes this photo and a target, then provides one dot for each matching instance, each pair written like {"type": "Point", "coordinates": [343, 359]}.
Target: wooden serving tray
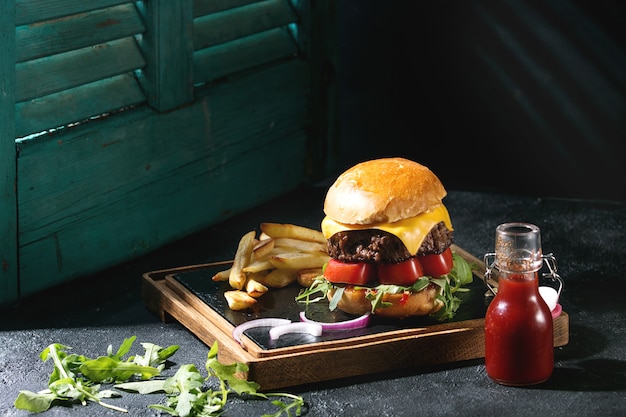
{"type": "Point", "coordinates": [189, 296]}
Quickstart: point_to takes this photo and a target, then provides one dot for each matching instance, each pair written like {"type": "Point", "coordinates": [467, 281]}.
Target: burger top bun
{"type": "Point", "coordinates": [383, 191]}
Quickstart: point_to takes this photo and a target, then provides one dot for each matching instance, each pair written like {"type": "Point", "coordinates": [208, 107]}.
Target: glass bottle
{"type": "Point", "coordinates": [518, 324]}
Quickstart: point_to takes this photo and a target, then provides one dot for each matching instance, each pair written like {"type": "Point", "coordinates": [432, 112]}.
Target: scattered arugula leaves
{"type": "Point", "coordinates": [186, 396]}
{"type": "Point", "coordinates": [74, 380]}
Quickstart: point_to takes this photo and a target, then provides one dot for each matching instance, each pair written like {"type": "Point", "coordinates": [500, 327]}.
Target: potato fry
{"type": "Point", "coordinates": [279, 278]}
{"type": "Point", "coordinates": [237, 278]}
{"type": "Point", "coordinates": [239, 300]}
{"type": "Point", "coordinates": [254, 288]}
{"type": "Point", "coordinates": [305, 277]}
{"type": "Point", "coordinates": [301, 245]}
{"type": "Point", "coordinates": [263, 248]}
{"type": "Point", "coordinates": [299, 260]}
{"type": "Point", "coordinates": [221, 275]}
{"type": "Point", "coordinates": [258, 266]}
{"type": "Point", "coordinates": [278, 230]}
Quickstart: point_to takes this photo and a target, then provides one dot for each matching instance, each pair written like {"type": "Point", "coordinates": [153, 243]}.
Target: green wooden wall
{"type": "Point", "coordinates": [141, 129]}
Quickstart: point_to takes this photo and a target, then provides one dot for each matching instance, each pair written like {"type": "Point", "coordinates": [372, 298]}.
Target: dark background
{"type": "Point", "coordinates": [525, 97]}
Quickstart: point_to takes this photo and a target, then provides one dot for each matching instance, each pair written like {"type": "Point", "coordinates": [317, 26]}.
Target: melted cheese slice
{"type": "Point", "coordinates": [411, 231]}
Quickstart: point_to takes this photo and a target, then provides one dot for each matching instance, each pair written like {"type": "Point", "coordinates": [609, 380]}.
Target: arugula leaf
{"type": "Point", "coordinates": [34, 402]}
{"type": "Point", "coordinates": [107, 369]}
{"type": "Point", "coordinates": [123, 349]}
{"type": "Point", "coordinates": [155, 355]}
{"type": "Point", "coordinates": [319, 285]}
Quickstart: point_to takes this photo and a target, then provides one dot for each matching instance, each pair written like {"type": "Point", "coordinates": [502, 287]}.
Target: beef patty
{"type": "Point", "coordinates": [373, 245]}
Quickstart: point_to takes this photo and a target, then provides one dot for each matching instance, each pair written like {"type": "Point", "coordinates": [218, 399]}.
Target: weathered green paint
{"type": "Point", "coordinates": [167, 45]}
{"type": "Point", "coordinates": [93, 194]}
{"type": "Point", "coordinates": [31, 11]}
{"type": "Point", "coordinates": [241, 54]}
{"type": "Point", "coordinates": [204, 7]}
{"type": "Point", "coordinates": [77, 104]}
{"type": "Point", "coordinates": [114, 189]}
{"type": "Point", "coordinates": [71, 69]}
{"type": "Point", "coordinates": [8, 198]}
{"type": "Point", "coordinates": [79, 31]}
{"type": "Point", "coordinates": [217, 28]}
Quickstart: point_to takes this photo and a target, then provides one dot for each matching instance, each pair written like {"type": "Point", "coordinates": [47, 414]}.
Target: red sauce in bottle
{"type": "Point", "coordinates": [518, 332]}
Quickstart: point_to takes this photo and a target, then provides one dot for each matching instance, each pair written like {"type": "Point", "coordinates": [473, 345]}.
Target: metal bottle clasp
{"type": "Point", "coordinates": [549, 260]}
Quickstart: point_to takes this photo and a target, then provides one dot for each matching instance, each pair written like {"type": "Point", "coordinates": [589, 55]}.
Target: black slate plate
{"type": "Point", "coordinates": [281, 303]}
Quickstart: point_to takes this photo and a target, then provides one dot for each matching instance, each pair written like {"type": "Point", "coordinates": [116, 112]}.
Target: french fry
{"type": "Point", "coordinates": [258, 266]}
{"type": "Point", "coordinates": [305, 277]}
{"type": "Point", "coordinates": [279, 230]}
{"type": "Point", "coordinates": [299, 260]}
{"type": "Point", "coordinates": [254, 288]}
{"type": "Point", "coordinates": [279, 278]}
{"type": "Point", "coordinates": [301, 245]}
{"type": "Point", "coordinates": [239, 300]}
{"type": "Point", "coordinates": [221, 275]}
{"type": "Point", "coordinates": [263, 248]}
{"type": "Point", "coordinates": [237, 278]}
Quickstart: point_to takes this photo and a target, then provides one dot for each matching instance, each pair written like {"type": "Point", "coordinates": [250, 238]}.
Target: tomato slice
{"type": "Point", "coordinates": [360, 273]}
{"type": "Point", "coordinates": [404, 273]}
{"type": "Point", "coordinates": [437, 265]}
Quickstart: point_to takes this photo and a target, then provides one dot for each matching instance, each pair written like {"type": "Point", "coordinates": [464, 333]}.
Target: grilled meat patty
{"type": "Point", "coordinates": [373, 245]}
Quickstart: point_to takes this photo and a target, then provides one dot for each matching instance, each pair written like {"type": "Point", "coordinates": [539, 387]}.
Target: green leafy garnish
{"type": "Point", "coordinates": [73, 380]}
{"type": "Point", "coordinates": [186, 396]}
{"type": "Point", "coordinates": [460, 275]}
{"type": "Point", "coordinates": [63, 385]}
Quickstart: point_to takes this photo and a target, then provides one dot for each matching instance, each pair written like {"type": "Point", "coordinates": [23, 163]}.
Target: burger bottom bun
{"type": "Point", "coordinates": [420, 303]}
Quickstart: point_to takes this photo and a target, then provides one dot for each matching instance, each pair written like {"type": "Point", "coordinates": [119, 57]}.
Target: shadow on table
{"type": "Point", "coordinates": [589, 375]}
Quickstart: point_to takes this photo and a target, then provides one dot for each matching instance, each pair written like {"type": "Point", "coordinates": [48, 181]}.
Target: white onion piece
{"type": "Point", "coordinates": [550, 296]}
{"type": "Point", "coordinates": [265, 322]}
{"type": "Point", "coordinates": [313, 329]}
{"type": "Point", "coordinates": [356, 323]}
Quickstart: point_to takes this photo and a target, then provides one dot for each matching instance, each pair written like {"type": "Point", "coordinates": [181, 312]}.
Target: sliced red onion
{"type": "Point", "coordinates": [356, 323]}
{"type": "Point", "coordinates": [265, 322]}
{"type": "Point", "coordinates": [314, 329]}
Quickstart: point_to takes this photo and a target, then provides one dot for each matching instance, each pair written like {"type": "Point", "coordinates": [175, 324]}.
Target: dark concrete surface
{"type": "Point", "coordinates": [587, 237]}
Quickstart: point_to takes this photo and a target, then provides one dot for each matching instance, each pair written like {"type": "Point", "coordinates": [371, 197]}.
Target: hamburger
{"type": "Point", "coordinates": [389, 238]}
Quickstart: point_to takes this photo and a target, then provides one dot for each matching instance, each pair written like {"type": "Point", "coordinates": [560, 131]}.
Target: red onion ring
{"type": "Point", "coordinates": [314, 329]}
{"type": "Point", "coordinates": [265, 322]}
{"type": "Point", "coordinates": [356, 323]}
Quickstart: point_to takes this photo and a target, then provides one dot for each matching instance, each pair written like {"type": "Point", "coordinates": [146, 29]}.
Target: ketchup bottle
{"type": "Point", "coordinates": [518, 325]}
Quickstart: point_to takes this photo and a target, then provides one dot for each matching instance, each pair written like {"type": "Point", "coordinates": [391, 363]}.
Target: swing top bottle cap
{"type": "Point", "coordinates": [518, 247]}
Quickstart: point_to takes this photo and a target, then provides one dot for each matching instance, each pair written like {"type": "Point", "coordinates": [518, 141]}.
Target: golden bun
{"type": "Point", "coordinates": [403, 305]}
{"type": "Point", "coordinates": [383, 191]}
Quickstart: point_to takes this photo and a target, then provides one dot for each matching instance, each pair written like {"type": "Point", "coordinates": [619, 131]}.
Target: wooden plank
{"type": "Point", "coordinates": [77, 104]}
{"type": "Point", "coordinates": [204, 7]}
{"type": "Point", "coordinates": [237, 23]}
{"type": "Point", "coordinates": [71, 69]}
{"type": "Point", "coordinates": [75, 32]}
{"type": "Point", "coordinates": [228, 58]}
{"type": "Point", "coordinates": [110, 190]}
{"type": "Point", "coordinates": [31, 11]}
{"type": "Point", "coordinates": [167, 46]}
{"type": "Point", "coordinates": [8, 196]}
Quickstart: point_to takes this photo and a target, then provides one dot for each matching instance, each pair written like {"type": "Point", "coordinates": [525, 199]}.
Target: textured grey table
{"type": "Point", "coordinates": [588, 238]}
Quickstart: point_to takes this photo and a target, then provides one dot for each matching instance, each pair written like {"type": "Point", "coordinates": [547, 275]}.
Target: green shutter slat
{"type": "Point", "coordinates": [240, 22]}
{"type": "Point", "coordinates": [31, 11]}
{"type": "Point", "coordinates": [228, 58]}
{"type": "Point", "coordinates": [204, 7]}
{"type": "Point", "coordinates": [9, 285]}
{"type": "Point", "coordinates": [56, 36]}
{"type": "Point", "coordinates": [166, 45]}
{"type": "Point", "coordinates": [71, 69]}
{"type": "Point", "coordinates": [76, 104]}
